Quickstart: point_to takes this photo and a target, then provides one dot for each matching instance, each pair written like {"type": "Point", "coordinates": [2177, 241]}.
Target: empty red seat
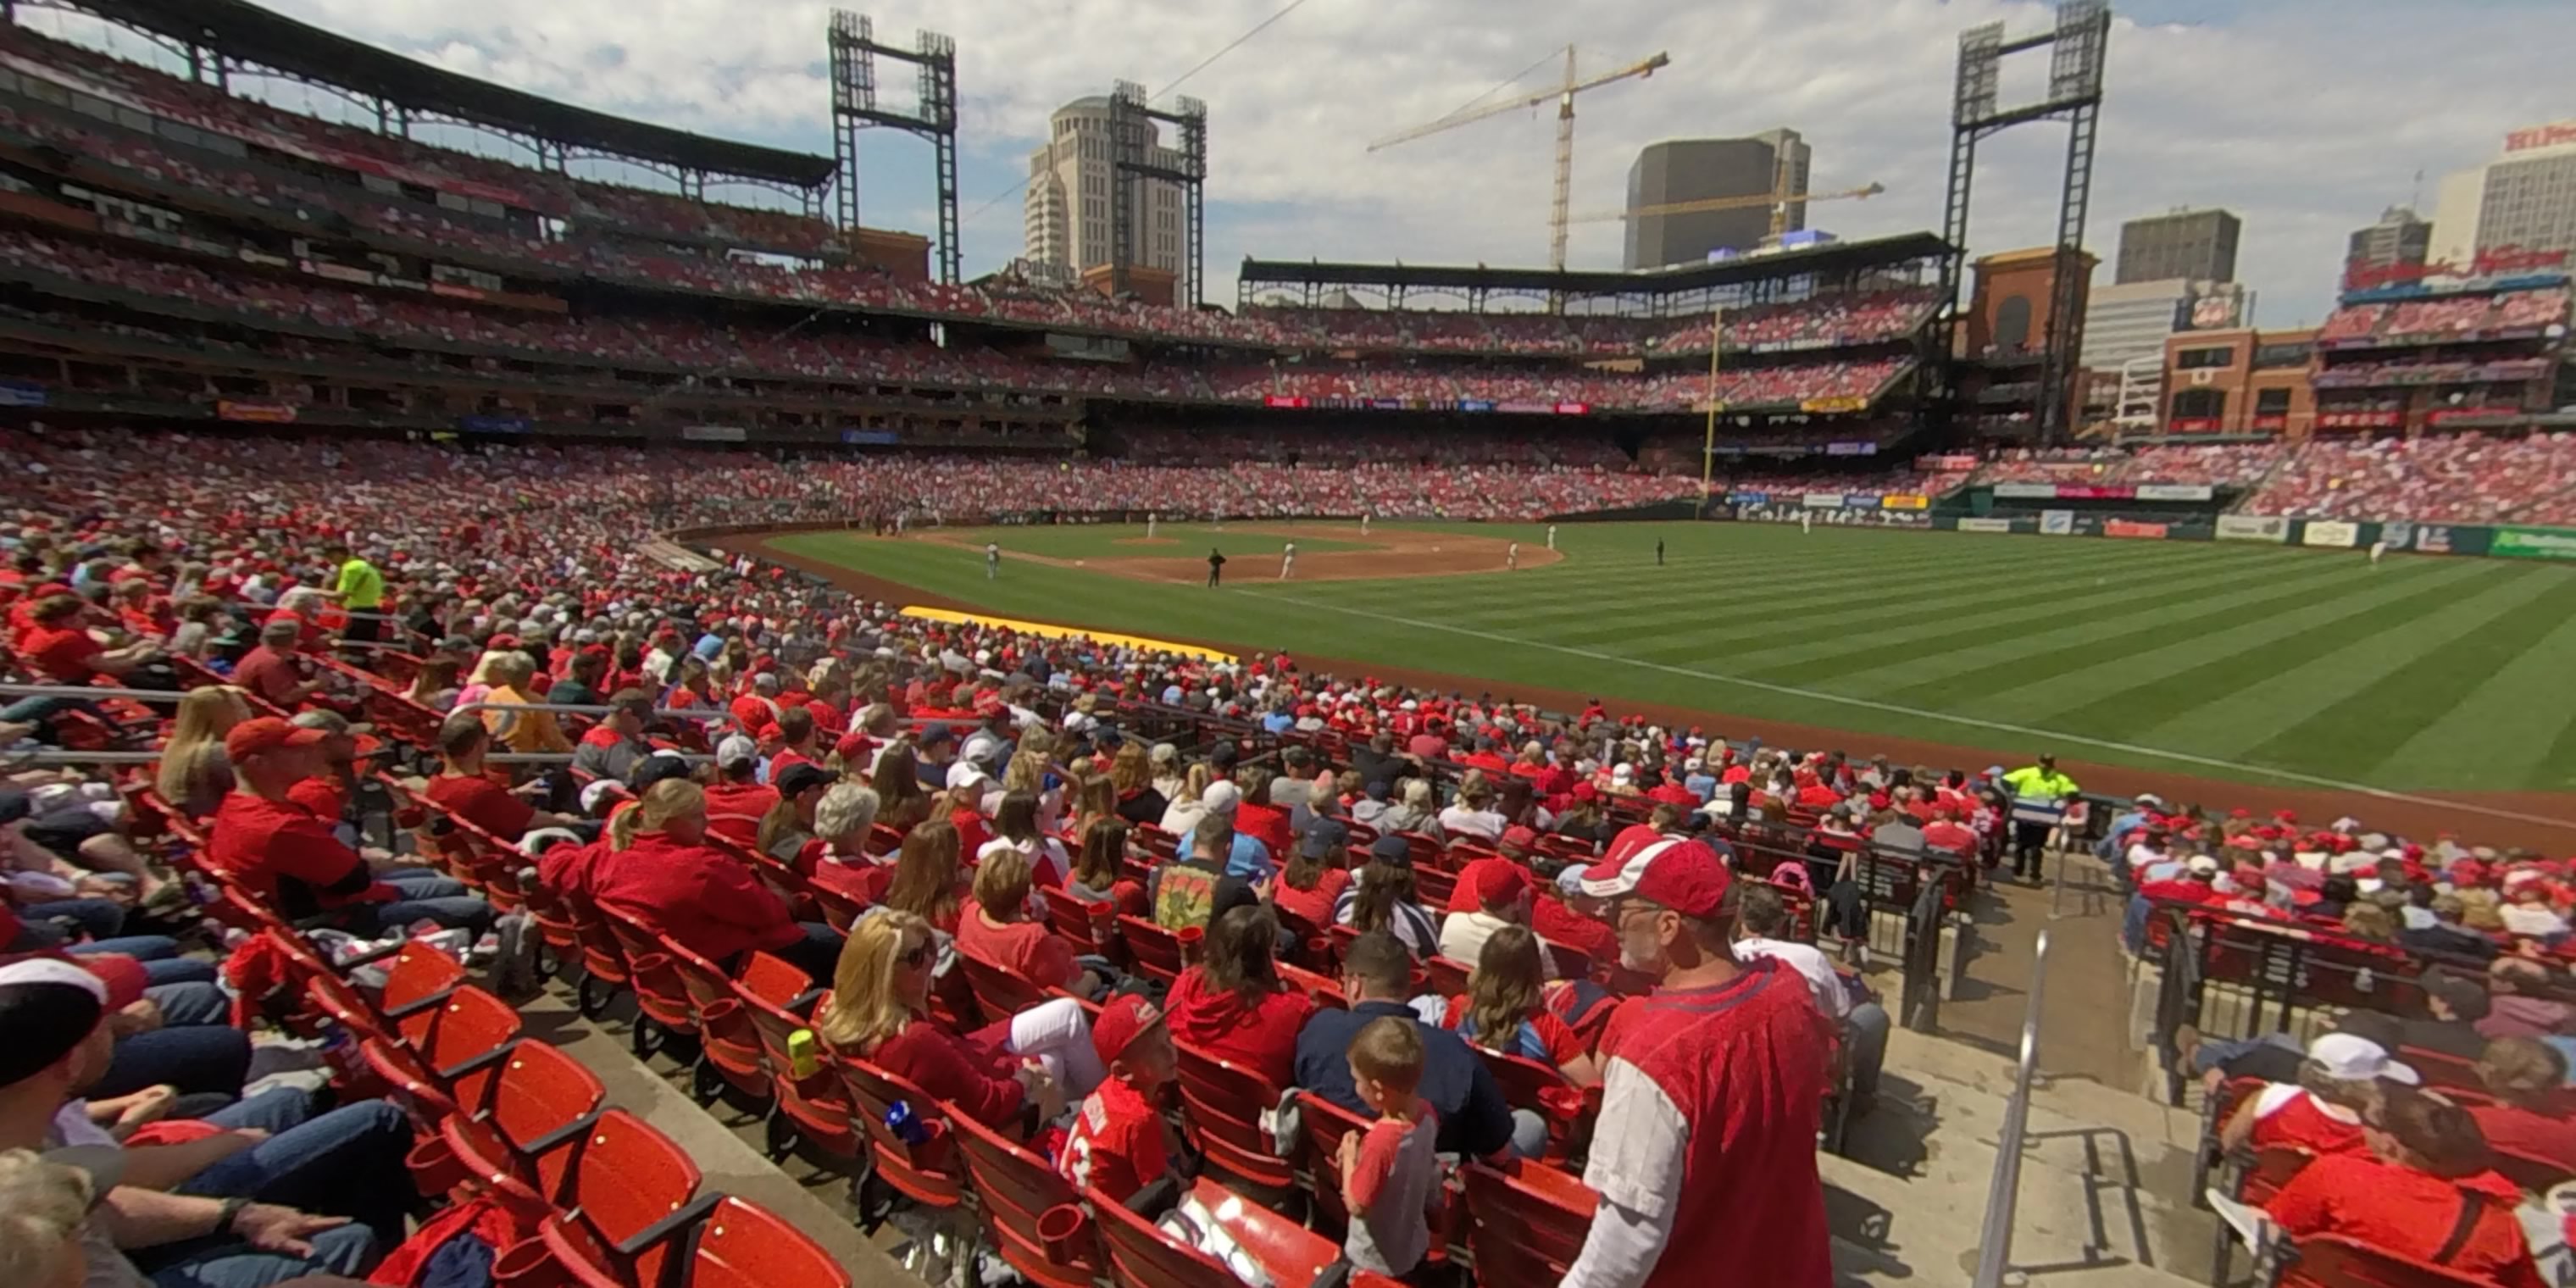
{"type": "Point", "coordinates": [1526, 1223]}
{"type": "Point", "coordinates": [814, 1108]}
{"type": "Point", "coordinates": [1222, 1104]}
{"type": "Point", "coordinates": [1015, 1192]}
{"type": "Point", "coordinates": [518, 1138]}
{"type": "Point", "coordinates": [1159, 953]}
{"type": "Point", "coordinates": [729, 1053]}
{"type": "Point", "coordinates": [628, 1195]}
{"type": "Point", "coordinates": [744, 1245]}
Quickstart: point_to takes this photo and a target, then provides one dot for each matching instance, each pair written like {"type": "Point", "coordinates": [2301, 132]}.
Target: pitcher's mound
{"type": "Point", "coordinates": [1146, 541]}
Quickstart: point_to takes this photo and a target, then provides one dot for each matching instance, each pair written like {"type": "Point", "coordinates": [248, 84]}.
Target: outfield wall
{"type": "Point", "coordinates": [2502, 541]}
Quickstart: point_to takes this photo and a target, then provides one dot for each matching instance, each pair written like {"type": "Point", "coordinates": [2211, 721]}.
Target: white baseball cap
{"type": "Point", "coordinates": [736, 750]}
{"type": "Point", "coordinates": [2347, 1058]}
{"type": "Point", "coordinates": [1221, 797]}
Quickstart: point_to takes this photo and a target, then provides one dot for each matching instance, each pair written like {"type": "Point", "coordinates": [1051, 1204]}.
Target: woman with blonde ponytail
{"type": "Point", "coordinates": [669, 880]}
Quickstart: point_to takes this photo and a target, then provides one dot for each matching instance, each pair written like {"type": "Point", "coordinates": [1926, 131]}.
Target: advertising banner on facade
{"type": "Point", "coordinates": [2025, 491]}
{"type": "Point", "coordinates": [1954, 463]}
{"type": "Point", "coordinates": [2128, 528]}
{"type": "Point", "coordinates": [1822, 500]}
{"type": "Point", "coordinates": [2331, 532]}
{"type": "Point", "coordinates": [1860, 501]}
{"type": "Point", "coordinates": [2173, 492]}
{"type": "Point", "coordinates": [2432, 539]}
{"type": "Point", "coordinates": [2534, 543]}
{"type": "Point", "coordinates": [1904, 501]}
{"type": "Point", "coordinates": [1985, 525]}
{"type": "Point", "coordinates": [2253, 527]}
{"type": "Point", "coordinates": [2057, 523]}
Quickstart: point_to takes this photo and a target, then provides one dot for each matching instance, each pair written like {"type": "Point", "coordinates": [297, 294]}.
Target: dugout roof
{"type": "Point", "coordinates": [256, 35]}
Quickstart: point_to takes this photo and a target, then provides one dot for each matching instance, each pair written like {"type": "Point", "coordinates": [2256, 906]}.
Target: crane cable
{"type": "Point", "coordinates": [1230, 46]}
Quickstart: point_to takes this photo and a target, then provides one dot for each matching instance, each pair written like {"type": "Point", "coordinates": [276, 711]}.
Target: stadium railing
{"type": "Point", "coordinates": [2003, 1191]}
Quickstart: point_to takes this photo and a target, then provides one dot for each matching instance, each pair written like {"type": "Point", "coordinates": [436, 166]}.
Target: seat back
{"type": "Point", "coordinates": [2334, 1261]}
{"type": "Point", "coordinates": [744, 1245]}
{"type": "Point", "coordinates": [998, 993]}
{"type": "Point", "coordinates": [1158, 953]}
{"type": "Point", "coordinates": [415, 975]}
{"type": "Point", "coordinates": [1141, 1255]}
{"type": "Point", "coordinates": [1086, 922]}
{"type": "Point", "coordinates": [469, 1024]}
{"type": "Point", "coordinates": [520, 1137]}
{"type": "Point", "coordinates": [602, 957]}
{"type": "Point", "coordinates": [1222, 1104]}
{"type": "Point", "coordinates": [1526, 1222]}
{"type": "Point", "coordinates": [1324, 1124]}
{"type": "Point", "coordinates": [625, 1180]}
{"type": "Point", "coordinates": [1448, 975]}
{"type": "Point", "coordinates": [2534, 1173]}
{"type": "Point", "coordinates": [928, 1174]}
{"type": "Point", "coordinates": [780, 999]}
{"type": "Point", "coordinates": [659, 992]}
{"type": "Point", "coordinates": [1015, 1188]}
{"type": "Point", "coordinates": [1433, 887]}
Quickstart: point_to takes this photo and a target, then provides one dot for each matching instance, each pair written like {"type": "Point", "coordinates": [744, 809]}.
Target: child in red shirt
{"type": "Point", "coordinates": [1118, 1143]}
{"type": "Point", "coordinates": [1389, 1174]}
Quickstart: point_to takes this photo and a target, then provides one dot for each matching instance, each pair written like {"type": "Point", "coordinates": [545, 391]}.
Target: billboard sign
{"type": "Point", "coordinates": [2334, 533]}
{"type": "Point", "coordinates": [1985, 525]}
{"type": "Point", "coordinates": [1822, 500]}
{"type": "Point", "coordinates": [2128, 528]}
{"type": "Point", "coordinates": [2057, 523]}
{"type": "Point", "coordinates": [2026, 491]}
{"type": "Point", "coordinates": [1904, 501]}
{"type": "Point", "coordinates": [2253, 527]}
{"type": "Point", "coordinates": [2174, 492]}
{"type": "Point", "coordinates": [2432, 539]}
{"type": "Point", "coordinates": [2534, 543]}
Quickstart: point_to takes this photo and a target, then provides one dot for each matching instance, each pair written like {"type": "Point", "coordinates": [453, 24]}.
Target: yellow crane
{"type": "Point", "coordinates": [1564, 96]}
{"type": "Point", "coordinates": [1779, 201]}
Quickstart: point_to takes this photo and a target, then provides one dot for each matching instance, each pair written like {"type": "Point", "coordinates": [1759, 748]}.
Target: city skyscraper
{"type": "Point", "coordinates": [1066, 216]}
{"type": "Point", "coordinates": [1685, 170]}
{"type": "Point", "coordinates": [2197, 244]}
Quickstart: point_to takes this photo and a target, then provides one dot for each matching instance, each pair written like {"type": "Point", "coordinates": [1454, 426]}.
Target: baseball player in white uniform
{"type": "Point", "coordinates": [992, 560]}
{"type": "Point", "coordinates": [1288, 561]}
{"type": "Point", "coordinates": [1551, 536]}
{"type": "Point", "coordinates": [1512, 557]}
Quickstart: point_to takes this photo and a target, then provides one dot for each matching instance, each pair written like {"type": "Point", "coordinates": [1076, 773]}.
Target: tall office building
{"type": "Point", "coordinates": [1065, 216]}
{"type": "Point", "coordinates": [2400, 237]}
{"type": "Point", "coordinates": [2524, 198]}
{"type": "Point", "coordinates": [2130, 322]}
{"type": "Point", "coordinates": [1684, 170]}
{"type": "Point", "coordinates": [2182, 243]}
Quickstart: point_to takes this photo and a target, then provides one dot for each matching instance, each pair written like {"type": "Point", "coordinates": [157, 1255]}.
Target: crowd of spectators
{"type": "Point", "coordinates": [2445, 478]}
{"type": "Point", "coordinates": [539, 567]}
{"type": "Point", "coordinates": [2215, 465]}
{"type": "Point", "coordinates": [2438, 371]}
{"type": "Point", "coordinates": [2449, 317]}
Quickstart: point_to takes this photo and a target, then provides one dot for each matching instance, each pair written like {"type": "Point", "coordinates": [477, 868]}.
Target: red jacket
{"type": "Point", "coordinates": [704, 901]}
{"type": "Point", "coordinates": [1260, 1035]}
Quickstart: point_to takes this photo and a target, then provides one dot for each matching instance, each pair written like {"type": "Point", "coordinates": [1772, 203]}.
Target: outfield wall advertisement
{"type": "Point", "coordinates": [2334, 533]}
{"type": "Point", "coordinates": [2252, 527]}
{"type": "Point", "coordinates": [2533, 543]}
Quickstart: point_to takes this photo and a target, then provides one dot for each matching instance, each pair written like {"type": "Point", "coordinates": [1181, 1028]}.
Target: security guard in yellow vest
{"type": "Point", "coordinates": [2039, 798]}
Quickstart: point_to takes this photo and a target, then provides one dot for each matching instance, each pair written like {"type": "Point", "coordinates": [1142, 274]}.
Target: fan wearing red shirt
{"type": "Point", "coordinates": [271, 671]}
{"type": "Point", "coordinates": [661, 873]}
{"type": "Point", "coordinates": [736, 801]}
{"type": "Point", "coordinates": [60, 649]}
{"type": "Point", "coordinates": [1315, 875]}
{"type": "Point", "coordinates": [1119, 1143]}
{"type": "Point", "coordinates": [463, 789]}
{"type": "Point", "coordinates": [1706, 1143]}
{"type": "Point", "coordinates": [796, 742]}
{"type": "Point", "coordinates": [1946, 832]}
{"type": "Point", "coordinates": [2426, 1190]}
{"type": "Point", "coordinates": [994, 928]}
{"type": "Point", "coordinates": [1005, 1076]}
{"type": "Point", "coordinates": [1233, 1005]}
{"type": "Point", "coordinates": [289, 859]}
{"type": "Point", "coordinates": [2322, 1114]}
{"type": "Point", "coordinates": [1256, 817]}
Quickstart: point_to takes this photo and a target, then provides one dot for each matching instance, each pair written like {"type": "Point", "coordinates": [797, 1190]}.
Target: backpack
{"type": "Point", "coordinates": [1184, 896]}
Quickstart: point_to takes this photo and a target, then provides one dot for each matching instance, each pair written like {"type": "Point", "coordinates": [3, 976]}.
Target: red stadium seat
{"type": "Point", "coordinates": [629, 1195]}
{"type": "Point", "coordinates": [742, 1245]}
{"type": "Point", "coordinates": [929, 1174]}
{"type": "Point", "coordinates": [729, 1045]}
{"type": "Point", "coordinates": [1159, 953]}
{"type": "Point", "coordinates": [1526, 1223]}
{"type": "Point", "coordinates": [1016, 1191]}
{"type": "Point", "coordinates": [2333, 1261]}
{"type": "Point", "coordinates": [1222, 1104]}
{"type": "Point", "coordinates": [813, 1108]}
{"type": "Point", "coordinates": [518, 1138]}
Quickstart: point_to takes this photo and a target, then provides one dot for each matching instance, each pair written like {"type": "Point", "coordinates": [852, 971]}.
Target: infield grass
{"type": "Point", "coordinates": [2302, 666]}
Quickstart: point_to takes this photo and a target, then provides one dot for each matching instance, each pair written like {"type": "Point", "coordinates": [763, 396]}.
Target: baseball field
{"type": "Point", "coordinates": [2244, 663]}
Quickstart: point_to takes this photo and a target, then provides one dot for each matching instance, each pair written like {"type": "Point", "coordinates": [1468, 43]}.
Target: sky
{"type": "Point", "coordinates": [2306, 117]}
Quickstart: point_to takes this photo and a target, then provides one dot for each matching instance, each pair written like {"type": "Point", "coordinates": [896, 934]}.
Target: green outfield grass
{"type": "Point", "coordinates": [1118, 541]}
{"type": "Point", "coordinates": [2300, 666]}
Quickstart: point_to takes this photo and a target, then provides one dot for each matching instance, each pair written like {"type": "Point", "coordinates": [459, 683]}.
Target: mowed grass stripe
{"type": "Point", "coordinates": [2018, 633]}
{"type": "Point", "coordinates": [2508, 725]}
{"type": "Point", "coordinates": [2031, 675]}
{"type": "Point", "coordinates": [1596, 576]}
{"type": "Point", "coordinates": [1794, 609]}
{"type": "Point", "coordinates": [2198, 689]}
{"type": "Point", "coordinates": [2411, 696]}
{"type": "Point", "coordinates": [1770, 639]}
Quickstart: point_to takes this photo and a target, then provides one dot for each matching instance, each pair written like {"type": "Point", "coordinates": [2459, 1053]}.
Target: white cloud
{"type": "Point", "coordinates": [2306, 117]}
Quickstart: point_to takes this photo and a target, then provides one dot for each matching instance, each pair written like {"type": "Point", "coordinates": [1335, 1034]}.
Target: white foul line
{"type": "Point", "coordinates": [1891, 708]}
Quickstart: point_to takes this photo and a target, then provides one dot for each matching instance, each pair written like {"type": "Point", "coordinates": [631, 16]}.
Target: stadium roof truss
{"type": "Point", "coordinates": [1660, 292]}
{"type": "Point", "coordinates": [227, 36]}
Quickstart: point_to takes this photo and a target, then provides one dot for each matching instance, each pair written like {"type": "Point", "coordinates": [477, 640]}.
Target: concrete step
{"type": "Point", "coordinates": [2102, 1199]}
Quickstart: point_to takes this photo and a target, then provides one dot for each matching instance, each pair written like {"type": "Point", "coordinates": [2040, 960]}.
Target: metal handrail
{"type": "Point", "coordinates": [2003, 1193]}
{"type": "Point", "coordinates": [87, 693]}
{"type": "Point", "coordinates": [591, 709]}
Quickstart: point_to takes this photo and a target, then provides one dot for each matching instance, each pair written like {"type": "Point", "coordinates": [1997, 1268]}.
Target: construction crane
{"type": "Point", "coordinates": [1779, 201]}
{"type": "Point", "coordinates": [1564, 96]}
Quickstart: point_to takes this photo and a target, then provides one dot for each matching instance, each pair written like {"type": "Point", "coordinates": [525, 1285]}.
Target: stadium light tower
{"type": "Point", "coordinates": [854, 51]}
{"type": "Point", "coordinates": [2078, 47]}
{"type": "Point", "coordinates": [1134, 160]}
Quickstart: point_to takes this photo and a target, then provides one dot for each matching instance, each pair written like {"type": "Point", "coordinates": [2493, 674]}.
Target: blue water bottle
{"type": "Point", "coordinates": [899, 1119]}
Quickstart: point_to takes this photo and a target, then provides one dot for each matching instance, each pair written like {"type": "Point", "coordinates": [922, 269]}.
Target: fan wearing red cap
{"type": "Point", "coordinates": [1706, 1143]}
{"type": "Point", "coordinates": [1497, 893]}
{"type": "Point", "coordinates": [1118, 1144]}
{"type": "Point", "coordinates": [290, 859]}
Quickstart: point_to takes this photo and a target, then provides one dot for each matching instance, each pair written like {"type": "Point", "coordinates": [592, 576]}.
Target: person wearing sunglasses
{"type": "Point", "coordinates": [1706, 1142]}
{"type": "Point", "coordinates": [1017, 1074]}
